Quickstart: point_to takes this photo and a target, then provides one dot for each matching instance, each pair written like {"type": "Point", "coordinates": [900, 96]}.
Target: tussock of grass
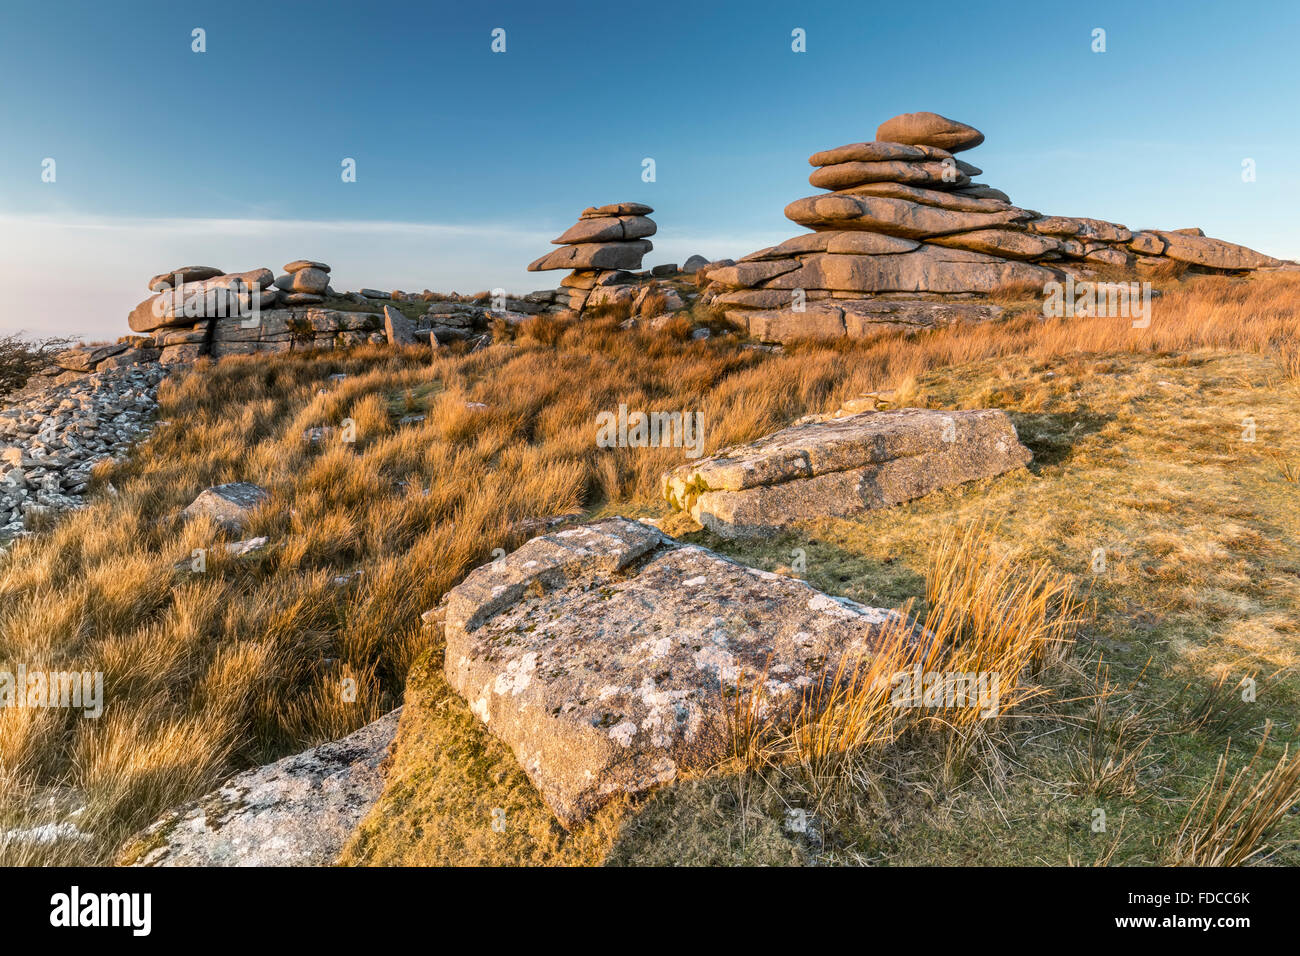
{"type": "Point", "coordinates": [1287, 468]}
{"type": "Point", "coordinates": [655, 303]}
{"type": "Point", "coordinates": [1231, 821]}
{"type": "Point", "coordinates": [987, 615]}
{"type": "Point", "coordinates": [1113, 755]}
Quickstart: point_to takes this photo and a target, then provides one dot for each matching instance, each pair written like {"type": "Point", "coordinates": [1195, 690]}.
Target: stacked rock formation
{"type": "Point", "coordinates": [904, 235]}
{"type": "Point", "coordinates": [191, 293]}
{"type": "Point", "coordinates": [304, 282]}
{"type": "Point", "coordinates": [601, 248]}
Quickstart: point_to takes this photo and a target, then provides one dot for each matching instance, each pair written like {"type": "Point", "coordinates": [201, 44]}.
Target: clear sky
{"type": "Point", "coordinates": [468, 161]}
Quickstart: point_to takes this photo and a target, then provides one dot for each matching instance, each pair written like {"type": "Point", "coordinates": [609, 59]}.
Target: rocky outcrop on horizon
{"type": "Point", "coordinates": [903, 239]}
{"type": "Point", "coordinates": [201, 311]}
{"type": "Point", "coordinates": [903, 220]}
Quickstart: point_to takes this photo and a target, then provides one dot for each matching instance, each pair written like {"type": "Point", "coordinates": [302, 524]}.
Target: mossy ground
{"type": "Point", "coordinates": [410, 307]}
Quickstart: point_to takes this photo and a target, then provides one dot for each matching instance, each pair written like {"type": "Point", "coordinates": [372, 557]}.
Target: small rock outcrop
{"type": "Point", "coordinates": [304, 282]}
{"type": "Point", "coordinates": [602, 248]}
{"type": "Point", "coordinates": [903, 221]}
{"type": "Point", "coordinates": [230, 505]}
{"type": "Point", "coordinates": [181, 300]}
{"type": "Point", "coordinates": [200, 311]}
{"type": "Point", "coordinates": [298, 811]}
{"type": "Point", "coordinates": [838, 467]}
{"type": "Point", "coordinates": [606, 655]}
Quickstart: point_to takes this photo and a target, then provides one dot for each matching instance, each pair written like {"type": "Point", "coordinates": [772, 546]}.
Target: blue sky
{"type": "Point", "coordinates": [469, 161]}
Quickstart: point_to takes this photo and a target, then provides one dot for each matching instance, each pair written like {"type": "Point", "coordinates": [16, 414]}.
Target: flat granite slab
{"type": "Point", "coordinates": [298, 811]}
{"type": "Point", "coordinates": [607, 655]}
{"type": "Point", "coordinates": [838, 467]}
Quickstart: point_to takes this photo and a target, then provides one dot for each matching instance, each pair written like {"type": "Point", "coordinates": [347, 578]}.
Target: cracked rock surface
{"type": "Point", "coordinates": [298, 811]}
{"type": "Point", "coordinates": [837, 467]}
{"type": "Point", "coordinates": [607, 655]}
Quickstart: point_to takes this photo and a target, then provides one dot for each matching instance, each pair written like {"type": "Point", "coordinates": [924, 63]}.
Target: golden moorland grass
{"type": "Point", "coordinates": [1135, 434]}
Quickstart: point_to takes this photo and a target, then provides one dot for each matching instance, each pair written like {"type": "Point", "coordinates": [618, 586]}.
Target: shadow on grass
{"type": "Point", "coordinates": [1052, 436]}
{"type": "Point", "coordinates": [878, 582]}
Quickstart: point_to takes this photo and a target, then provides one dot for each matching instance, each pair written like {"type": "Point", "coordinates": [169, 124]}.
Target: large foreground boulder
{"type": "Point", "coordinates": [839, 467]}
{"type": "Point", "coordinates": [607, 656]}
{"type": "Point", "coordinates": [298, 811]}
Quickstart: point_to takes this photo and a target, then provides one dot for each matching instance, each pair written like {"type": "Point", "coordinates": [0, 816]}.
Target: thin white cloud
{"type": "Point", "coordinates": [261, 227]}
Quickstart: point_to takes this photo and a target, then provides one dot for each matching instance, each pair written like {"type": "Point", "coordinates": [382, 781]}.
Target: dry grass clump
{"type": "Point", "coordinates": [843, 722]}
{"type": "Point", "coordinates": [619, 311]}
{"type": "Point", "coordinates": [654, 303]}
{"type": "Point", "coordinates": [992, 615]}
{"type": "Point", "coordinates": [1223, 707]}
{"type": "Point", "coordinates": [948, 681]}
{"type": "Point", "coordinates": [1231, 822]}
{"type": "Point", "coordinates": [1114, 751]}
{"type": "Point", "coordinates": [1006, 617]}
{"type": "Point", "coordinates": [546, 330]}
{"type": "Point", "coordinates": [1287, 468]}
